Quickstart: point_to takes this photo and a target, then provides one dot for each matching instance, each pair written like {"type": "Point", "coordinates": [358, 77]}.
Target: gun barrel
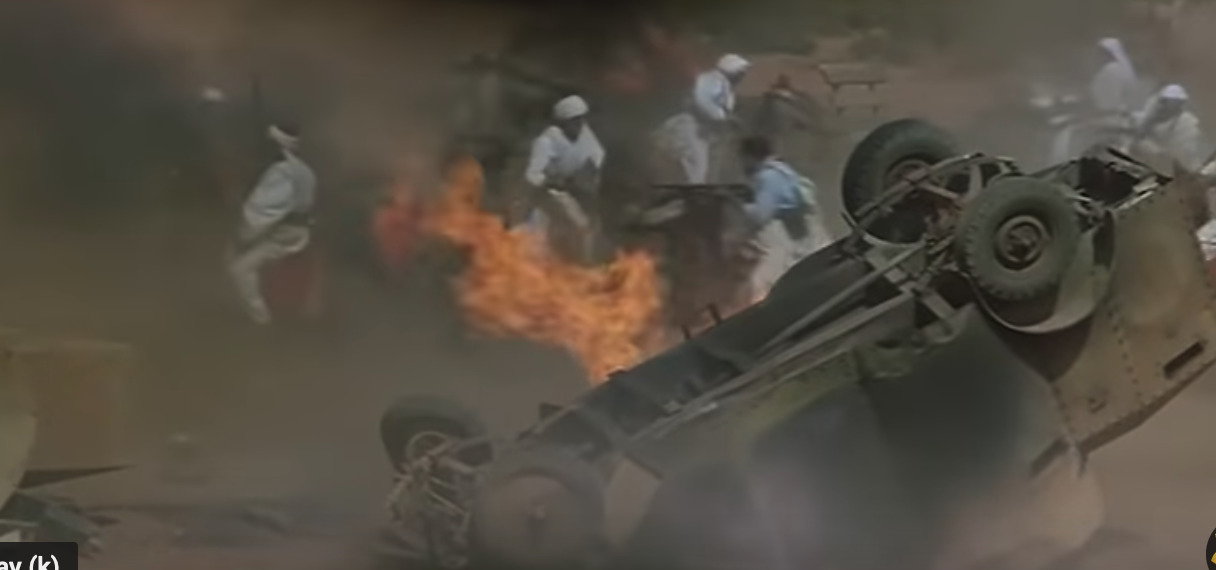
{"type": "Point", "coordinates": [738, 187]}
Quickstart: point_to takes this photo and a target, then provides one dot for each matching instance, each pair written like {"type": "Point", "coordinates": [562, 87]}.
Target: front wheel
{"type": "Point", "coordinates": [417, 425]}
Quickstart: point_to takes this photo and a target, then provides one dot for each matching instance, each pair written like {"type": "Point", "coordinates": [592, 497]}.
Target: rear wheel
{"type": "Point", "coordinates": [887, 155]}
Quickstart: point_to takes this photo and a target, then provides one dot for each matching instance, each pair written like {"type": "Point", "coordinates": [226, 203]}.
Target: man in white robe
{"type": "Point", "coordinates": [692, 135]}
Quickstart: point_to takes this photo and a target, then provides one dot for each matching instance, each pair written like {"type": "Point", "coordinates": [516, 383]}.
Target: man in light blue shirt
{"type": "Point", "coordinates": [779, 213]}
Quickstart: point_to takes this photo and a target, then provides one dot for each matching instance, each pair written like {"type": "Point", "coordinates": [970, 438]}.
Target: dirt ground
{"type": "Point", "coordinates": [291, 475]}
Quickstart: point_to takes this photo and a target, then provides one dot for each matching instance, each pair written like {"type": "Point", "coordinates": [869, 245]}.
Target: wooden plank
{"type": "Point", "coordinates": [852, 73]}
{"type": "Point", "coordinates": [856, 96]}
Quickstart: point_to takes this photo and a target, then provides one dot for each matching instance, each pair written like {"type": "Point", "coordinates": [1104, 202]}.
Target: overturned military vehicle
{"type": "Point", "coordinates": [921, 394]}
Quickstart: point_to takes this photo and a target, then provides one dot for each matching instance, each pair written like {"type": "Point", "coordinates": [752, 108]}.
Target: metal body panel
{"type": "Point", "coordinates": [1154, 334]}
{"type": "Point", "coordinates": [722, 426]}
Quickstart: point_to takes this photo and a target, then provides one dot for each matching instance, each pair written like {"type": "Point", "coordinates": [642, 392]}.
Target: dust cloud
{"type": "Point", "coordinates": [121, 171]}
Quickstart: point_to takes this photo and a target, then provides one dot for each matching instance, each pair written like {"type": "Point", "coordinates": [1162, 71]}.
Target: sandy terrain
{"type": "Point", "coordinates": [1158, 482]}
{"type": "Point", "coordinates": [292, 472]}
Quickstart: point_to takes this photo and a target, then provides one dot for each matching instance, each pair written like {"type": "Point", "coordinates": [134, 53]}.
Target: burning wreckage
{"type": "Point", "coordinates": [924, 390]}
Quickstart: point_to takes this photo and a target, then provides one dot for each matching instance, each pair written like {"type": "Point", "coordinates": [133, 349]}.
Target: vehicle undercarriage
{"type": "Point", "coordinates": [924, 390]}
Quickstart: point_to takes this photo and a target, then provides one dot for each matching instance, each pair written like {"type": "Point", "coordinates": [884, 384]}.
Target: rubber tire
{"type": "Point", "coordinates": [584, 482]}
{"type": "Point", "coordinates": [873, 159]}
{"type": "Point", "coordinates": [983, 215]}
{"type": "Point", "coordinates": [412, 414]}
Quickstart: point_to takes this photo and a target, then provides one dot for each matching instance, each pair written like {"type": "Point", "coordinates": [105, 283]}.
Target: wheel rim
{"type": "Point", "coordinates": [534, 518]}
{"type": "Point", "coordinates": [903, 169]}
{"type": "Point", "coordinates": [907, 223]}
{"type": "Point", "coordinates": [1021, 241]}
{"type": "Point", "coordinates": [425, 442]}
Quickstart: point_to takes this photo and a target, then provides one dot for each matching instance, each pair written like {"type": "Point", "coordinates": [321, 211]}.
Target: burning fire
{"type": "Point", "coordinates": [600, 314]}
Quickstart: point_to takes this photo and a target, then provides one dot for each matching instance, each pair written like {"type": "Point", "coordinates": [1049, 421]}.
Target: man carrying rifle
{"type": "Point", "coordinates": [781, 215]}
{"type": "Point", "coordinates": [564, 173]}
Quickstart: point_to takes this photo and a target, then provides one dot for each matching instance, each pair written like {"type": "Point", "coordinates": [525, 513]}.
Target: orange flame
{"type": "Point", "coordinates": [600, 314]}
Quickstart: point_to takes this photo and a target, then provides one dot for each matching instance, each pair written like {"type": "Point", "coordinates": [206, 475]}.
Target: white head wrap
{"type": "Point", "coordinates": [213, 95]}
{"type": "Point", "coordinates": [732, 64]}
{"type": "Point", "coordinates": [1149, 114]}
{"type": "Point", "coordinates": [1114, 47]}
{"type": "Point", "coordinates": [569, 108]}
{"type": "Point", "coordinates": [1175, 92]}
{"type": "Point", "coordinates": [283, 138]}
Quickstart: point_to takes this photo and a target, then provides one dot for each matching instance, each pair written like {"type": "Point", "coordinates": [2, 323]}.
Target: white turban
{"type": "Point", "coordinates": [1175, 92]}
{"type": "Point", "coordinates": [732, 64]}
{"type": "Point", "coordinates": [1150, 115]}
{"type": "Point", "coordinates": [213, 95]}
{"type": "Point", "coordinates": [283, 138]}
{"type": "Point", "coordinates": [1114, 47]}
{"type": "Point", "coordinates": [569, 108]}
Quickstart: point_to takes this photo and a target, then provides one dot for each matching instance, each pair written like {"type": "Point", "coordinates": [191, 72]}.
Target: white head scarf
{"type": "Point", "coordinates": [1148, 116]}
{"type": "Point", "coordinates": [732, 64]}
{"type": "Point", "coordinates": [570, 108]}
{"type": "Point", "coordinates": [283, 138]}
{"type": "Point", "coordinates": [1175, 92]}
{"type": "Point", "coordinates": [1114, 47]}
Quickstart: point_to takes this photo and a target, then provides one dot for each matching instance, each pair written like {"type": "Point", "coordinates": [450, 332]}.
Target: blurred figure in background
{"type": "Point", "coordinates": [1167, 128]}
{"type": "Point", "coordinates": [1116, 88]}
{"type": "Point", "coordinates": [784, 110]}
{"type": "Point", "coordinates": [1115, 94]}
{"type": "Point", "coordinates": [276, 220]}
{"type": "Point", "coordinates": [691, 136]}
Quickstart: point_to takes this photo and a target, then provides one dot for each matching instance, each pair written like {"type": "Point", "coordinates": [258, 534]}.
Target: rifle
{"type": "Point", "coordinates": [728, 190]}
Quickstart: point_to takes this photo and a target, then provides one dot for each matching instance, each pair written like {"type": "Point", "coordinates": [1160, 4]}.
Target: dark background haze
{"type": "Point", "coordinates": [119, 188]}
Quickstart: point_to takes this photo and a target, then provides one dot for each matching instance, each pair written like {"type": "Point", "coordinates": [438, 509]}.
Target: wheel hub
{"type": "Point", "coordinates": [423, 443]}
{"type": "Point", "coordinates": [534, 519]}
{"type": "Point", "coordinates": [1021, 240]}
{"type": "Point", "coordinates": [903, 170]}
